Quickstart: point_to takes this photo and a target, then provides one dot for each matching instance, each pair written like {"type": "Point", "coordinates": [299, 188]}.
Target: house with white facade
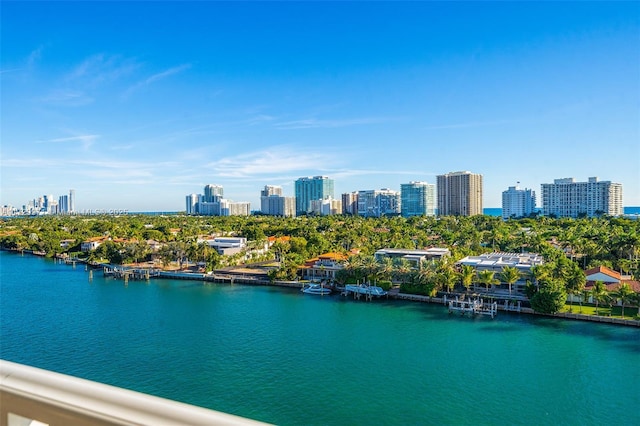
{"type": "Point", "coordinates": [495, 262]}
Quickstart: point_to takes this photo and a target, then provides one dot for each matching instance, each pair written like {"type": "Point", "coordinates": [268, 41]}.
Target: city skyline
{"type": "Point", "coordinates": [373, 95]}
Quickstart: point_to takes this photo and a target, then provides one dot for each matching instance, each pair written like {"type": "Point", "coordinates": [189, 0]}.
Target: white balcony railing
{"type": "Point", "coordinates": [34, 397]}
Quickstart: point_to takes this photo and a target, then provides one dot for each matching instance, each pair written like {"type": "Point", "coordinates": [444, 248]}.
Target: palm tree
{"type": "Point", "coordinates": [467, 275]}
{"type": "Point", "coordinates": [624, 294]}
{"type": "Point", "coordinates": [486, 277]}
{"type": "Point", "coordinates": [370, 266]}
{"type": "Point", "coordinates": [510, 274]}
{"type": "Point", "coordinates": [575, 284]}
{"type": "Point", "coordinates": [598, 292]}
{"type": "Point", "coordinates": [402, 268]}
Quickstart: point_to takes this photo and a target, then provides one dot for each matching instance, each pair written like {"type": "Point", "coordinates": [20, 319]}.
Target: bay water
{"type": "Point", "coordinates": [284, 357]}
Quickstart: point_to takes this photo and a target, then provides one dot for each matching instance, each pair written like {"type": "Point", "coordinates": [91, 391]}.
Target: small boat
{"type": "Point", "coordinates": [316, 289]}
{"type": "Point", "coordinates": [367, 289]}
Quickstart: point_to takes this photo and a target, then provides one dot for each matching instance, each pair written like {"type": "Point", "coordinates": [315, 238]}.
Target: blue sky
{"type": "Point", "coordinates": [135, 105]}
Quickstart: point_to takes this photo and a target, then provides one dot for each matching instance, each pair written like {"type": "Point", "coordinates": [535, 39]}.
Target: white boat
{"type": "Point", "coordinates": [316, 289]}
{"type": "Point", "coordinates": [368, 289]}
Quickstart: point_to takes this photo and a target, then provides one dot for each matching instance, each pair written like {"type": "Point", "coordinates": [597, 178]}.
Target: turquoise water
{"type": "Point", "coordinates": [283, 357]}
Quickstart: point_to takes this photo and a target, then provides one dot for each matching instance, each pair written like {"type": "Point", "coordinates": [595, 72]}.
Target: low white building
{"type": "Point", "coordinates": [228, 245]}
{"type": "Point", "coordinates": [495, 262]}
{"type": "Point", "coordinates": [415, 257]}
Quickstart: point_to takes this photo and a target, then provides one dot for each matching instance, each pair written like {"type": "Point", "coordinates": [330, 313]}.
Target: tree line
{"type": "Point", "coordinates": [569, 246]}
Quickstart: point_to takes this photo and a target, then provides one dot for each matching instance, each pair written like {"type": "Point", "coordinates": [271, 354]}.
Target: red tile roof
{"type": "Point", "coordinates": [604, 270]}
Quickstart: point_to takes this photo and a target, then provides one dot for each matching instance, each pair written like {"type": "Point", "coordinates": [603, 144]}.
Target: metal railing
{"type": "Point", "coordinates": [32, 396]}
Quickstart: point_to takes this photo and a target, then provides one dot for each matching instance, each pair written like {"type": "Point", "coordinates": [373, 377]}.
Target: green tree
{"type": "Point", "coordinates": [510, 275]}
{"type": "Point", "coordinates": [550, 297]}
{"type": "Point", "coordinates": [623, 294]}
{"type": "Point", "coordinates": [575, 284]}
{"type": "Point", "coordinates": [486, 277]}
{"type": "Point", "coordinates": [598, 293]}
{"type": "Point", "coordinates": [467, 276]}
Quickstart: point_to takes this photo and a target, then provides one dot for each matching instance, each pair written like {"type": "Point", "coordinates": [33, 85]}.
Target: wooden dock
{"type": "Point", "coordinates": [473, 307]}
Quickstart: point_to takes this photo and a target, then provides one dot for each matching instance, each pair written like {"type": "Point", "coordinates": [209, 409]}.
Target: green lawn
{"type": "Point", "coordinates": [630, 312]}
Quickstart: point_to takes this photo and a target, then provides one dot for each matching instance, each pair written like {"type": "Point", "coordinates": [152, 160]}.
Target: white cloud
{"type": "Point", "coordinates": [156, 77]}
{"type": "Point", "coordinates": [314, 123]}
{"type": "Point", "coordinates": [67, 97]}
{"type": "Point", "coordinates": [272, 161]}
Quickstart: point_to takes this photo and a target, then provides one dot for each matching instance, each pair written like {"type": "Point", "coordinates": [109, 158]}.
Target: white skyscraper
{"type": "Point", "coordinates": [518, 202]}
{"type": "Point", "coordinates": [567, 198]}
{"type": "Point", "coordinates": [72, 201]}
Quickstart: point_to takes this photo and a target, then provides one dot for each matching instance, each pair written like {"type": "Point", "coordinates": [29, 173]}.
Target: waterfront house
{"type": "Point", "coordinates": [610, 278]}
{"type": "Point", "coordinates": [92, 243]}
{"type": "Point", "coordinates": [415, 257]}
{"type": "Point", "coordinates": [323, 267]}
{"type": "Point", "coordinates": [495, 262]}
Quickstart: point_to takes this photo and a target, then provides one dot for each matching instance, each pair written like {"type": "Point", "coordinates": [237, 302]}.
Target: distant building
{"type": "Point", "coordinates": [377, 203]}
{"type": "Point", "coordinates": [326, 207]}
{"type": "Point", "coordinates": [213, 193]}
{"type": "Point", "coordinates": [495, 262]}
{"type": "Point", "coordinates": [415, 257]}
{"type": "Point", "coordinates": [277, 205]}
{"type": "Point", "coordinates": [212, 203]}
{"type": "Point", "coordinates": [192, 203]}
{"type": "Point", "coordinates": [567, 198]}
{"type": "Point", "coordinates": [459, 194]}
{"type": "Point", "coordinates": [72, 201]}
{"type": "Point", "coordinates": [312, 188]}
{"type": "Point", "coordinates": [63, 204]}
{"type": "Point", "coordinates": [350, 203]}
{"type": "Point", "coordinates": [323, 267]}
{"type": "Point", "coordinates": [417, 199]}
{"type": "Point", "coordinates": [518, 202]}
{"type": "Point", "coordinates": [227, 246]}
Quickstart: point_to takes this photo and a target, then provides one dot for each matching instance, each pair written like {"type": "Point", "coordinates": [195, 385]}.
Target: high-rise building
{"type": "Point", "coordinates": [567, 198]}
{"type": "Point", "coordinates": [213, 193]}
{"type": "Point", "coordinates": [376, 203]}
{"type": "Point", "coordinates": [63, 204]}
{"type": "Point", "coordinates": [518, 202]}
{"type": "Point", "coordinates": [459, 194]}
{"type": "Point", "coordinates": [350, 203]}
{"type": "Point", "coordinates": [72, 201]}
{"type": "Point", "coordinates": [326, 207]}
{"type": "Point", "coordinates": [267, 192]}
{"type": "Point", "coordinates": [311, 188]}
{"type": "Point", "coordinates": [277, 205]}
{"type": "Point", "coordinates": [417, 199]}
{"type": "Point", "coordinates": [192, 204]}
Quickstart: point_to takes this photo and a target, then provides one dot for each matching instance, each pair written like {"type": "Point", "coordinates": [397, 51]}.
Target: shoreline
{"type": "Point", "coordinates": [236, 278]}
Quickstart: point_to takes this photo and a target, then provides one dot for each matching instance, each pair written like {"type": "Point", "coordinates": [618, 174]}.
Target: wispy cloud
{"type": "Point", "coordinates": [67, 97]}
{"type": "Point", "coordinates": [314, 123]}
{"type": "Point", "coordinates": [34, 56]}
{"type": "Point", "coordinates": [101, 68]}
{"type": "Point", "coordinates": [272, 161]}
{"type": "Point", "coordinates": [85, 140]}
{"type": "Point", "coordinates": [156, 77]}
{"type": "Point", "coordinates": [471, 124]}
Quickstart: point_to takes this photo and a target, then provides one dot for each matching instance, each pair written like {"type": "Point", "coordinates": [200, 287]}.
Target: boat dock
{"type": "Point", "coordinates": [473, 307]}
{"type": "Point", "coordinates": [130, 274]}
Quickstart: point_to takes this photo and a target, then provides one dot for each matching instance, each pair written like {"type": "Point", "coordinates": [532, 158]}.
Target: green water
{"type": "Point", "coordinates": [284, 357]}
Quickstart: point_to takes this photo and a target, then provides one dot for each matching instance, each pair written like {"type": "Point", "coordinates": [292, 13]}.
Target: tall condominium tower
{"type": "Point", "coordinates": [63, 204]}
{"type": "Point", "coordinates": [518, 202]}
{"type": "Point", "coordinates": [72, 200]}
{"type": "Point", "coordinates": [350, 203]}
{"type": "Point", "coordinates": [376, 203]}
{"type": "Point", "coordinates": [213, 193]}
{"type": "Point", "coordinates": [459, 194]}
{"type": "Point", "coordinates": [567, 198]}
{"type": "Point", "coordinates": [312, 188]}
{"type": "Point", "coordinates": [417, 199]}
{"type": "Point", "coordinates": [265, 193]}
